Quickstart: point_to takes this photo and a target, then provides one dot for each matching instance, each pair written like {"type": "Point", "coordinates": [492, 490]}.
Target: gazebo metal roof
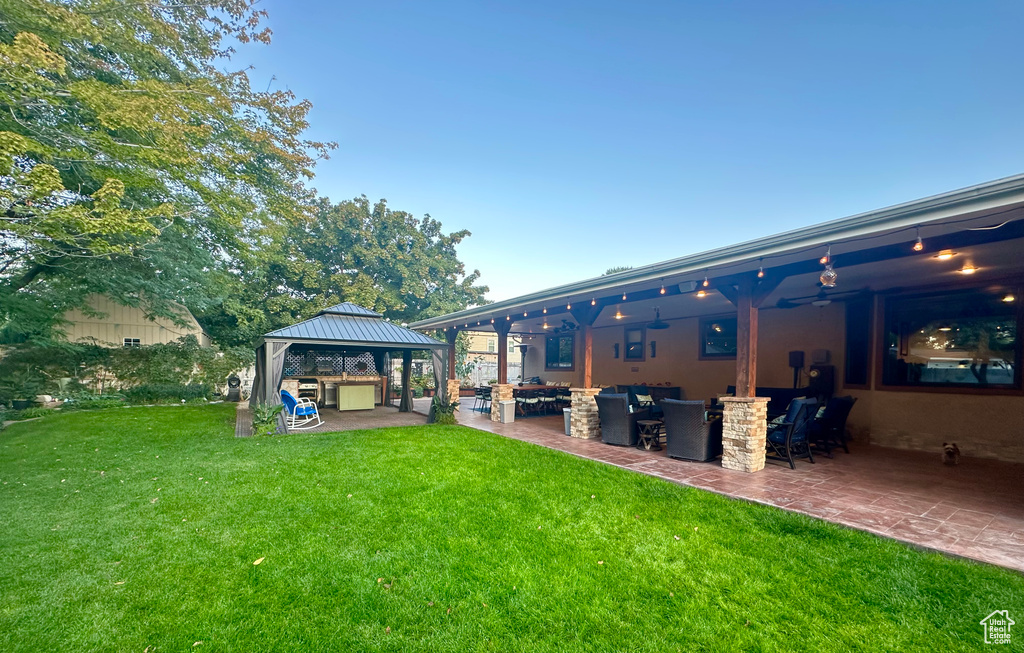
{"type": "Point", "coordinates": [352, 325]}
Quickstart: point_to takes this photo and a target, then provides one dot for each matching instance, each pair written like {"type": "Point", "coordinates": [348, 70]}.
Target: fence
{"type": "Point", "coordinates": [484, 371]}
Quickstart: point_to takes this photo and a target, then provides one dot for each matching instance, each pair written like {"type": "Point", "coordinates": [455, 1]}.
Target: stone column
{"type": "Point", "coordinates": [744, 429]}
{"type": "Point", "coordinates": [499, 392]}
{"type": "Point", "coordinates": [584, 423]}
{"type": "Point", "coordinates": [453, 392]}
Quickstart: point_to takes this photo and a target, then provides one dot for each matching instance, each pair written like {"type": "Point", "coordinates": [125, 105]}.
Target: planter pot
{"type": "Point", "coordinates": [467, 392]}
{"type": "Point", "coordinates": [428, 392]}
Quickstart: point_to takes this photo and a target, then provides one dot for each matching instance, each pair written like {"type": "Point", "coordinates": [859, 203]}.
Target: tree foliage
{"type": "Point", "coordinates": [130, 161]}
{"type": "Point", "coordinates": [390, 261]}
{"type": "Point", "coordinates": [617, 269]}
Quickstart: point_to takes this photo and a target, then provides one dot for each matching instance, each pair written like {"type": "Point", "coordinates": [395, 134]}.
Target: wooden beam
{"type": "Point", "coordinates": [502, 327]}
{"type": "Point", "coordinates": [586, 314]}
{"type": "Point", "coordinates": [588, 356]}
{"type": "Point", "coordinates": [746, 344]}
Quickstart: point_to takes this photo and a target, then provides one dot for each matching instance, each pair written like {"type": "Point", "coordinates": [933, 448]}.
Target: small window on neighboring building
{"type": "Point", "coordinates": [558, 353]}
{"type": "Point", "coordinates": [718, 337]}
{"type": "Point", "coordinates": [511, 347]}
{"type": "Point", "coordinates": [132, 342]}
{"type": "Point", "coordinates": [634, 344]}
{"type": "Point", "coordinates": [492, 345]}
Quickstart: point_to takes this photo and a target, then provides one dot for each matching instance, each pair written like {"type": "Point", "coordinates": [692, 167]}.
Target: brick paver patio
{"type": "Point", "coordinates": [974, 510]}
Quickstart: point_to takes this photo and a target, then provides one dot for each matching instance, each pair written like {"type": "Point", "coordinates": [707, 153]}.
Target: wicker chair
{"type": "Point", "coordinates": [688, 434]}
{"type": "Point", "coordinates": [618, 425]}
{"type": "Point", "coordinates": [830, 429]}
{"type": "Point", "coordinates": [787, 440]}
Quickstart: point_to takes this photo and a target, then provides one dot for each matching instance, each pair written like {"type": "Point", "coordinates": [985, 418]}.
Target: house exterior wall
{"type": "Point", "coordinates": [983, 425]}
{"type": "Point", "coordinates": [119, 322]}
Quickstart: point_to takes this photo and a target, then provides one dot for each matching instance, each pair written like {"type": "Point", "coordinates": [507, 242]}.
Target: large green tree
{"type": "Point", "coordinates": [133, 160]}
{"type": "Point", "coordinates": [402, 266]}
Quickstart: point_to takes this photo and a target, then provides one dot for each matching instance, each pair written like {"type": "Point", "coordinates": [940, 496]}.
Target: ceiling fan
{"type": "Point", "coordinates": [820, 300]}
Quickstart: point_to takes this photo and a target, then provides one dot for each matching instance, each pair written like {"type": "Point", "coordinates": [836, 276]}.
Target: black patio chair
{"type": "Point", "coordinates": [485, 398]}
{"type": "Point", "coordinates": [618, 424]}
{"type": "Point", "coordinates": [830, 429]}
{"type": "Point", "coordinates": [787, 440]}
{"type": "Point", "coordinates": [688, 434]}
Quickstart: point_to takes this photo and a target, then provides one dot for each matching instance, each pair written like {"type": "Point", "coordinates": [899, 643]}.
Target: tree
{"type": "Point", "coordinates": [130, 163]}
{"type": "Point", "coordinates": [389, 261]}
{"type": "Point", "coordinates": [619, 268]}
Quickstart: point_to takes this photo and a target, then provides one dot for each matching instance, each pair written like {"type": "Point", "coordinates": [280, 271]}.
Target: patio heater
{"type": "Point", "coordinates": [522, 365]}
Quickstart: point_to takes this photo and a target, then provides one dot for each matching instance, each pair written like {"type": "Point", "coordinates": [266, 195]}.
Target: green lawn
{"type": "Point", "coordinates": [132, 528]}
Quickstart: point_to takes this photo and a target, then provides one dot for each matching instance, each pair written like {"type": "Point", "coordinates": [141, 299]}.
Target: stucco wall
{"type": "Point", "coordinates": [985, 426]}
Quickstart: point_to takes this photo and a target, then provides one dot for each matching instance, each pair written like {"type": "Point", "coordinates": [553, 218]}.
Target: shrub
{"type": "Point", "coordinates": [92, 402]}
{"type": "Point", "coordinates": [264, 418]}
{"type": "Point", "coordinates": [153, 393]}
{"type": "Point", "coordinates": [443, 412]}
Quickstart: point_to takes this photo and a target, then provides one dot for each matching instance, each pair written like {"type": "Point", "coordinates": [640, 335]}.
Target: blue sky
{"type": "Point", "coordinates": [571, 137]}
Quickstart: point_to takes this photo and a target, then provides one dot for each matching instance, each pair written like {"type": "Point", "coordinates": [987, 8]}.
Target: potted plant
{"type": "Point", "coordinates": [443, 412]}
{"type": "Point", "coordinates": [264, 419]}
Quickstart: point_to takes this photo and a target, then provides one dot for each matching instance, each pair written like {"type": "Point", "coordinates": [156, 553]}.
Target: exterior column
{"type": "Point", "coordinates": [746, 345]}
{"type": "Point", "coordinates": [588, 359]}
{"type": "Point", "coordinates": [453, 392]}
{"type": "Point", "coordinates": [502, 327]}
{"type": "Point", "coordinates": [744, 430]}
{"type": "Point", "coordinates": [500, 392]}
{"type": "Point", "coordinates": [584, 422]}
{"type": "Point", "coordinates": [450, 337]}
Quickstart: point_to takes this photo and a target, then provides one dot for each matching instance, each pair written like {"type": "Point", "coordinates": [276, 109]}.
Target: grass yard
{"type": "Point", "coordinates": [132, 528]}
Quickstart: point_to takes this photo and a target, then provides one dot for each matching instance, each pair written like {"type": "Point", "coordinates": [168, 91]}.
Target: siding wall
{"type": "Point", "coordinates": [121, 322]}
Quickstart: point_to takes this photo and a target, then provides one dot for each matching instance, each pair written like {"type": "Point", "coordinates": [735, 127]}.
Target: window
{"type": "Point", "coordinates": [634, 344]}
{"type": "Point", "coordinates": [491, 346]}
{"type": "Point", "coordinates": [132, 342]}
{"type": "Point", "coordinates": [718, 337]}
{"type": "Point", "coordinates": [558, 353]}
{"type": "Point", "coordinates": [963, 340]}
{"type": "Point", "coordinates": [511, 347]}
{"type": "Point", "coordinates": [858, 341]}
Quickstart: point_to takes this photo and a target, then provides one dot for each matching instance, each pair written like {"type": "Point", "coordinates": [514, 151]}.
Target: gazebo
{"type": "Point", "coordinates": [343, 347]}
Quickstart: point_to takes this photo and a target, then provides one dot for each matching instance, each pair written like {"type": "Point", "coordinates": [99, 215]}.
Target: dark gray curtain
{"type": "Point", "coordinates": [259, 391]}
{"type": "Point", "coordinates": [406, 404]}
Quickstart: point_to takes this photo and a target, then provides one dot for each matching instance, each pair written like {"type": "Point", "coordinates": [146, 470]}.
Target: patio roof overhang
{"type": "Point", "coordinates": [980, 217]}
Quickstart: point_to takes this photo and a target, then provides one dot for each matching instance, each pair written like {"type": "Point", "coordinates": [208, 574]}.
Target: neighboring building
{"type": "Point", "coordinates": [116, 325]}
{"type": "Point", "coordinates": [483, 354]}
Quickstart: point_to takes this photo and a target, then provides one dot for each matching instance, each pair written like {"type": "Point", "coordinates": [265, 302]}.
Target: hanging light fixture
{"type": "Point", "coordinates": [658, 323]}
{"type": "Point", "coordinates": [706, 282]}
{"type": "Point", "coordinates": [623, 296]}
{"type": "Point", "coordinates": [593, 302]}
{"type": "Point", "coordinates": [662, 291]}
{"type": "Point", "coordinates": [824, 260]}
{"type": "Point", "coordinates": [918, 244]}
{"type": "Point", "coordinates": [508, 317]}
{"type": "Point", "coordinates": [760, 273]}
{"type": "Point", "coordinates": [568, 306]}
{"type": "Point", "coordinates": [968, 269]}
{"type": "Point", "coordinates": [492, 320]}
{"type": "Point", "coordinates": [545, 324]}
{"type": "Point", "coordinates": [945, 255]}
{"type": "Point", "coordinates": [525, 313]}
{"type": "Point", "coordinates": [545, 311]}
{"type": "Point", "coordinates": [618, 315]}
{"type": "Point", "coordinates": [828, 277]}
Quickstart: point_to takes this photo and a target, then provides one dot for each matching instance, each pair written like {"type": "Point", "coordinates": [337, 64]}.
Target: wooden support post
{"type": "Point", "coordinates": [586, 315]}
{"type": "Point", "coordinates": [746, 344]}
{"type": "Point", "coordinates": [450, 337]}
{"type": "Point", "coordinates": [502, 328]}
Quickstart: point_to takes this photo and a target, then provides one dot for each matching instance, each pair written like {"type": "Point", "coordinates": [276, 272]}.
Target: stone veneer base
{"type": "Point", "coordinates": [744, 430]}
{"type": "Point", "coordinates": [584, 421]}
{"type": "Point", "coordinates": [499, 392]}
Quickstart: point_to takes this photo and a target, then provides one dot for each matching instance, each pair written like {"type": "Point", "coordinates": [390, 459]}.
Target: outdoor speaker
{"type": "Point", "coordinates": [821, 357]}
{"type": "Point", "coordinates": [796, 359]}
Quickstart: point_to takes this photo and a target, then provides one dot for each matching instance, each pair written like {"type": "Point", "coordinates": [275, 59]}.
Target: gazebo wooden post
{"type": "Point", "coordinates": [586, 315]}
{"type": "Point", "coordinates": [405, 405]}
{"type": "Point", "coordinates": [450, 336]}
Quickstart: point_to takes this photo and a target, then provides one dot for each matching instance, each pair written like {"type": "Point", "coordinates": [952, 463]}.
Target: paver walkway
{"type": "Point", "coordinates": [974, 510]}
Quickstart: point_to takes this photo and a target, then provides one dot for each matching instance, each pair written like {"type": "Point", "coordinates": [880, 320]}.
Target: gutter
{"type": "Point", "coordinates": [989, 195]}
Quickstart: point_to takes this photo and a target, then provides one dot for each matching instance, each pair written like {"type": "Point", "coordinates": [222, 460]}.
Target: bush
{"type": "Point", "coordinates": [28, 413]}
{"type": "Point", "coordinates": [154, 393]}
{"type": "Point", "coordinates": [92, 402]}
{"type": "Point", "coordinates": [443, 412]}
{"type": "Point", "coordinates": [264, 418]}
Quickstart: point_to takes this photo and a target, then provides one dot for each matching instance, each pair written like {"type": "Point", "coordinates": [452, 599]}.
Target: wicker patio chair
{"type": "Point", "coordinates": [618, 424]}
{"type": "Point", "coordinates": [688, 434]}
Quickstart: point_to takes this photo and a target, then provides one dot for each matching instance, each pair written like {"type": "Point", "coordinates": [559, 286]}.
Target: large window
{"type": "Point", "coordinates": [962, 340]}
{"type": "Point", "coordinates": [718, 337]}
{"type": "Point", "coordinates": [558, 353]}
{"type": "Point", "coordinates": [634, 344]}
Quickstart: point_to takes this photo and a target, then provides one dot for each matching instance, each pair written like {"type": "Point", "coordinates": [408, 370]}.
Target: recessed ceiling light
{"type": "Point", "coordinates": [945, 328]}
{"type": "Point", "coordinates": [968, 269]}
{"type": "Point", "coordinates": [1009, 298]}
{"type": "Point", "coordinates": [945, 255]}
